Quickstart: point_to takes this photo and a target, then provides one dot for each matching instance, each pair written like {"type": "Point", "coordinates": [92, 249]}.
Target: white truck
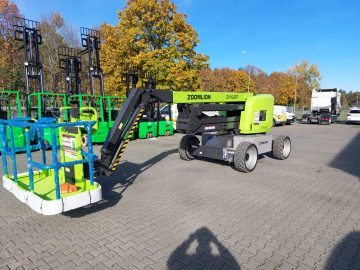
{"type": "Point", "coordinates": [325, 105]}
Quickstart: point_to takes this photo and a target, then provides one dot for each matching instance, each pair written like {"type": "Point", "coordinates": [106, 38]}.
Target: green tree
{"type": "Point", "coordinates": [154, 37]}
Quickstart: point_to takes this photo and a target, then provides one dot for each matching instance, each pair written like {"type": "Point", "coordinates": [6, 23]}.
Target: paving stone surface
{"type": "Point", "coordinates": [160, 212]}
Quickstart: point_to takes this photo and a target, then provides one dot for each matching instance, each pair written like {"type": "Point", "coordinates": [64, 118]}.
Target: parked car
{"type": "Point", "coordinates": [290, 118]}
{"type": "Point", "coordinates": [353, 116]}
{"type": "Point", "coordinates": [279, 117]}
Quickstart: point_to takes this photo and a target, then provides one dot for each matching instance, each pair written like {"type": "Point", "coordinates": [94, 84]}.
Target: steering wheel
{"type": "Point", "coordinates": [89, 114]}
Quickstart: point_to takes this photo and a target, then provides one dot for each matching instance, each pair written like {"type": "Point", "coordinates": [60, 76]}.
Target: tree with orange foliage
{"type": "Point", "coordinates": [225, 79]}
{"type": "Point", "coordinates": [153, 36]}
{"type": "Point", "coordinates": [10, 62]}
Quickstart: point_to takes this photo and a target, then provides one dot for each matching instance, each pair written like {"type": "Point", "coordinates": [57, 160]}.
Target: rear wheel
{"type": "Point", "coordinates": [281, 147]}
{"type": "Point", "coordinates": [187, 146]}
{"type": "Point", "coordinates": [245, 157]}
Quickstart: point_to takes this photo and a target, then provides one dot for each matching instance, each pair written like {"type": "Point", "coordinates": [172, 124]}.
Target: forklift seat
{"type": "Point", "coordinates": [3, 115]}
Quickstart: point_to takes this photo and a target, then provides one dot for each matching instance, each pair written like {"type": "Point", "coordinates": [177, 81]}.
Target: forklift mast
{"type": "Point", "coordinates": [256, 112]}
{"type": "Point", "coordinates": [90, 41]}
{"type": "Point", "coordinates": [70, 61]}
{"type": "Point", "coordinates": [28, 32]}
{"type": "Point", "coordinates": [130, 77]}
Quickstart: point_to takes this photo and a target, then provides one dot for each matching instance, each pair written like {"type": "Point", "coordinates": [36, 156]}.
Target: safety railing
{"type": "Point", "coordinates": [34, 134]}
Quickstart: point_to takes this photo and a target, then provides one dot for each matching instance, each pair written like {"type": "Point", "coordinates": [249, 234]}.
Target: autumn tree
{"type": "Point", "coordinates": [308, 74]}
{"type": "Point", "coordinates": [154, 37]}
{"type": "Point", "coordinates": [11, 71]}
{"type": "Point", "coordinates": [259, 78]}
{"type": "Point", "coordinates": [225, 79]}
{"type": "Point", "coordinates": [282, 87]}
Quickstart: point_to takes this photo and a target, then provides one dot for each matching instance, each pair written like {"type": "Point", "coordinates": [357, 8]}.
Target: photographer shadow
{"type": "Point", "coordinates": [202, 250]}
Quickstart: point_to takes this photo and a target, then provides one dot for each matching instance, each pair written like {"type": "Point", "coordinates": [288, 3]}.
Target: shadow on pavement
{"type": "Point", "coordinates": [348, 160]}
{"type": "Point", "coordinates": [125, 175]}
{"type": "Point", "coordinates": [346, 254]}
{"type": "Point", "coordinates": [202, 250]}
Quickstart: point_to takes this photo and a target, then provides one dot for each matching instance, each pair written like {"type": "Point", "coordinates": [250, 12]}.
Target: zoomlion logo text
{"type": "Point", "coordinates": [263, 142]}
{"type": "Point", "coordinates": [196, 97]}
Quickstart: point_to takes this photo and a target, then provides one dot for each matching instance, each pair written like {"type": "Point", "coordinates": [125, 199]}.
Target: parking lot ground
{"type": "Point", "coordinates": [160, 212]}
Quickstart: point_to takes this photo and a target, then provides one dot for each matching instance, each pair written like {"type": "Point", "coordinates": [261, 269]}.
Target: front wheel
{"type": "Point", "coordinates": [187, 146]}
{"type": "Point", "coordinates": [245, 157]}
{"type": "Point", "coordinates": [281, 147]}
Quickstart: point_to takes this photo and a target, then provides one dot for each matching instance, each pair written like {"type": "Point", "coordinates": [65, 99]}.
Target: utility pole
{"type": "Point", "coordinates": [295, 96]}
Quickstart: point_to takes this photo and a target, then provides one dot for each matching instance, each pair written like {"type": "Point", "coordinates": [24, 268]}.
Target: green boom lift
{"type": "Point", "coordinates": [237, 135]}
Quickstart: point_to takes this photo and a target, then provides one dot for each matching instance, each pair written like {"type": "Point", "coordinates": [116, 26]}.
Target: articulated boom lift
{"type": "Point", "coordinates": [237, 134]}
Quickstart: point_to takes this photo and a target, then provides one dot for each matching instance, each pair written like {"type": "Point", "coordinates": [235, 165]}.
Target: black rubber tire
{"type": "Point", "coordinates": [278, 147]}
{"type": "Point", "coordinates": [84, 140]}
{"type": "Point", "coordinates": [274, 123]}
{"type": "Point", "coordinates": [241, 157]}
{"type": "Point", "coordinates": [186, 147]}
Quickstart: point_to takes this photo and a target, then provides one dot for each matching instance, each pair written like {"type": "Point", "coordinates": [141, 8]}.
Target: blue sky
{"type": "Point", "coordinates": [274, 34]}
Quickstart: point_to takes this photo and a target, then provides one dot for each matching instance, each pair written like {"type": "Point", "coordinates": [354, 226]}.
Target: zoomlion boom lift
{"type": "Point", "coordinates": [237, 135]}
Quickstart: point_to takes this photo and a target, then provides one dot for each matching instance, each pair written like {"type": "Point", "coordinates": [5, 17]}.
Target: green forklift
{"type": "Point", "coordinates": [152, 123]}
{"type": "Point", "coordinates": [107, 108]}
{"type": "Point", "coordinates": [10, 108]}
{"type": "Point", "coordinates": [46, 104]}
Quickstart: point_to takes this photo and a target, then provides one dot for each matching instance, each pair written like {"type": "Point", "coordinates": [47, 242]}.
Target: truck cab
{"type": "Point", "coordinates": [325, 107]}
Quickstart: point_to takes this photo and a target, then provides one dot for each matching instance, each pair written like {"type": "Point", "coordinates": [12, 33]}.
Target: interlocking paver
{"type": "Point", "coordinates": [302, 213]}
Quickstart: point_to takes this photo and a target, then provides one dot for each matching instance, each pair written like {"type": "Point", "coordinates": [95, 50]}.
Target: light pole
{"type": "Point", "coordinates": [295, 96]}
{"type": "Point", "coordinates": [292, 69]}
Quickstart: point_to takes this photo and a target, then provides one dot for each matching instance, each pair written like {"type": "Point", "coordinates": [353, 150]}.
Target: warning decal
{"type": "Point", "coordinates": [69, 145]}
